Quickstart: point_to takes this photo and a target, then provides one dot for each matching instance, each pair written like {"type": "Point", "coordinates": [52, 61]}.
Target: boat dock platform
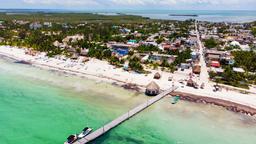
{"type": "Point", "coordinates": [124, 117]}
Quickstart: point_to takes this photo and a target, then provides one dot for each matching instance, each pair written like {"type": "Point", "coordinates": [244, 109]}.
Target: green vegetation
{"type": "Point", "coordinates": [183, 30]}
{"type": "Point", "coordinates": [147, 48]}
{"type": "Point", "coordinates": [135, 64]}
{"type": "Point", "coordinates": [70, 17]}
{"type": "Point", "coordinates": [246, 60]}
{"type": "Point", "coordinates": [99, 52]}
{"type": "Point", "coordinates": [232, 78]}
{"type": "Point", "coordinates": [181, 56]}
{"type": "Point", "coordinates": [232, 47]}
{"type": "Point", "coordinates": [97, 32]}
{"type": "Point", "coordinates": [180, 34]}
{"type": "Point", "coordinates": [174, 36]}
{"type": "Point", "coordinates": [254, 31]}
{"type": "Point", "coordinates": [102, 52]}
{"type": "Point", "coordinates": [223, 29]}
{"type": "Point", "coordinates": [210, 43]}
{"type": "Point", "coordinates": [159, 40]}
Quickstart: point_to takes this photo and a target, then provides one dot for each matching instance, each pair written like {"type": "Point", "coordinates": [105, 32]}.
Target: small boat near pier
{"type": "Point", "coordinates": [175, 99]}
{"type": "Point", "coordinates": [75, 137]}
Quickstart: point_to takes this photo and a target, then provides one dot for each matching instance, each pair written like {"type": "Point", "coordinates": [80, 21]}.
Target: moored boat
{"type": "Point", "coordinates": [71, 139]}
{"type": "Point", "coordinates": [175, 99]}
{"type": "Point", "coordinates": [85, 132]}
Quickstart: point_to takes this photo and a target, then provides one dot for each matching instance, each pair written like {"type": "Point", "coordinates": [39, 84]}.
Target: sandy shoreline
{"type": "Point", "coordinates": [72, 72]}
{"type": "Point", "coordinates": [102, 71]}
{"type": "Point", "coordinates": [125, 85]}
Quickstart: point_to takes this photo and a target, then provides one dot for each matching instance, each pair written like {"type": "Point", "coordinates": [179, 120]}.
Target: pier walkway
{"type": "Point", "coordinates": [124, 117]}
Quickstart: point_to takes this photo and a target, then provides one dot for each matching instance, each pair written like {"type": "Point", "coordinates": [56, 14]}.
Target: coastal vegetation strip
{"type": "Point", "coordinates": [70, 17]}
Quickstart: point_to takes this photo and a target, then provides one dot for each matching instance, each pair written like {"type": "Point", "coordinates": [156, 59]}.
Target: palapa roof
{"type": "Point", "coordinates": [153, 86]}
{"type": "Point", "coordinates": [190, 82]}
{"type": "Point", "coordinates": [197, 69]}
{"type": "Point", "coordinates": [157, 75]}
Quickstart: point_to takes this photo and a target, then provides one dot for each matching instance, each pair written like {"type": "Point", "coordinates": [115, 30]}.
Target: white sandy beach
{"type": "Point", "coordinates": [102, 71]}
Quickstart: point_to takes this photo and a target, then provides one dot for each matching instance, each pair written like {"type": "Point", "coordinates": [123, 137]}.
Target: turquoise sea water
{"type": "Point", "coordinates": [44, 107]}
{"type": "Point", "coordinates": [239, 16]}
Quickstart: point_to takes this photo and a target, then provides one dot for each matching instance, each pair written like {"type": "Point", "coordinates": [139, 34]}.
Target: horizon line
{"type": "Point", "coordinates": [67, 9]}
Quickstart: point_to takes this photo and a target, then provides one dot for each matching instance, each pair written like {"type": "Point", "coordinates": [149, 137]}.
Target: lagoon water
{"type": "Point", "coordinates": [237, 16]}
{"type": "Point", "coordinates": [43, 107]}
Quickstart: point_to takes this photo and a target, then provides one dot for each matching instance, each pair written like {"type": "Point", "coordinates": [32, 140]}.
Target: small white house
{"type": "Point", "coordinates": [238, 70]}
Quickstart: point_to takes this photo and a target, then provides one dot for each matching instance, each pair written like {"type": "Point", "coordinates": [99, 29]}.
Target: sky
{"type": "Point", "coordinates": [131, 4]}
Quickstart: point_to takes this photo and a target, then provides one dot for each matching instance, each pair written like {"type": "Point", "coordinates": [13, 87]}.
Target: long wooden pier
{"type": "Point", "coordinates": [124, 117]}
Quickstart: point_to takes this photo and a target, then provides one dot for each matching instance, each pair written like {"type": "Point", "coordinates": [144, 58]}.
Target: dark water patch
{"type": "Point", "coordinates": [23, 62]}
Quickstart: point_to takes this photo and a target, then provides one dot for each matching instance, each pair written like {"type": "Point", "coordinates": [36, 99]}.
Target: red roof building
{"type": "Point", "coordinates": [215, 64]}
{"type": "Point", "coordinates": [166, 46]}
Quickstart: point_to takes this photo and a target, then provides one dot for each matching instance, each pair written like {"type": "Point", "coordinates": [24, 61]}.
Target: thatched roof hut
{"type": "Point", "coordinates": [152, 89]}
{"type": "Point", "coordinates": [157, 76]}
{"type": "Point", "coordinates": [31, 52]}
{"type": "Point", "coordinates": [190, 83]}
{"type": "Point", "coordinates": [84, 52]}
{"type": "Point", "coordinates": [75, 56]}
{"type": "Point", "coordinates": [197, 69]}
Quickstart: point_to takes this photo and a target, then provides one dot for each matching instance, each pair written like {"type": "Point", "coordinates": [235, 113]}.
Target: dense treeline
{"type": "Point", "coordinates": [135, 65]}
{"type": "Point", "coordinates": [99, 52]}
{"type": "Point", "coordinates": [147, 48]}
{"type": "Point", "coordinates": [236, 79]}
{"type": "Point", "coordinates": [245, 59]}
{"type": "Point", "coordinates": [70, 17]}
{"type": "Point", "coordinates": [210, 43]}
{"type": "Point", "coordinates": [254, 31]}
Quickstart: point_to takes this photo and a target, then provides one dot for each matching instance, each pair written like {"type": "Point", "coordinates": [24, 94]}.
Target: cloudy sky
{"type": "Point", "coordinates": [132, 4]}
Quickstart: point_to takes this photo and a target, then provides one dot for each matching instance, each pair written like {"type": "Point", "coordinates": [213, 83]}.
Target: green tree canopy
{"type": "Point", "coordinates": [134, 64]}
{"type": "Point", "coordinates": [245, 59]}
{"type": "Point", "coordinates": [254, 31]}
{"type": "Point", "coordinates": [147, 48]}
{"type": "Point", "coordinates": [210, 43]}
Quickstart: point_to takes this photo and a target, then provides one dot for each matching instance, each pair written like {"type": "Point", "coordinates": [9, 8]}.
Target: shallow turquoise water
{"type": "Point", "coordinates": [42, 107]}
{"type": "Point", "coordinates": [237, 16]}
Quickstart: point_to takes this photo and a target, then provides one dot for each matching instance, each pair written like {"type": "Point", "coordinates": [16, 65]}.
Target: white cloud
{"type": "Point", "coordinates": [62, 2]}
{"type": "Point", "coordinates": [142, 2]}
{"type": "Point", "coordinates": [128, 2]}
{"type": "Point", "coordinates": [178, 2]}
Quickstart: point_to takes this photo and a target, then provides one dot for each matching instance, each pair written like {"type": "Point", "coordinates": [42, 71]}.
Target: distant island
{"type": "Point", "coordinates": [187, 15]}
